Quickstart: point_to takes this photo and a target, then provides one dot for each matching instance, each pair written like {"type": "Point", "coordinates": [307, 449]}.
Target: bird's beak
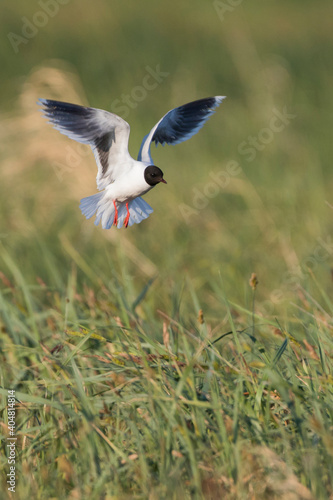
{"type": "Point", "coordinates": [164, 181]}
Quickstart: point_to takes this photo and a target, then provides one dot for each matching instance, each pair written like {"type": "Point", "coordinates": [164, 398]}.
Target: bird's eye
{"type": "Point", "coordinates": [153, 175]}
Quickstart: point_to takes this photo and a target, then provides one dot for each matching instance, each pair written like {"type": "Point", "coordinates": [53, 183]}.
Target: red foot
{"type": "Point", "coordinates": [115, 220]}
{"type": "Point", "coordinates": [127, 216]}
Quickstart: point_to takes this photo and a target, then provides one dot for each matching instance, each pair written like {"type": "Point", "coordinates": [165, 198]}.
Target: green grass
{"type": "Point", "coordinates": [145, 365]}
{"type": "Point", "coordinates": [114, 398]}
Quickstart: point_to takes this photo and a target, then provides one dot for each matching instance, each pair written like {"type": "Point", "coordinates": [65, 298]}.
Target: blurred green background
{"type": "Point", "coordinates": [101, 333]}
{"type": "Point", "coordinates": [273, 217]}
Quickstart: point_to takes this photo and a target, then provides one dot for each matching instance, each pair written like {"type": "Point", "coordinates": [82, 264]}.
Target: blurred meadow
{"type": "Point", "coordinates": [145, 362]}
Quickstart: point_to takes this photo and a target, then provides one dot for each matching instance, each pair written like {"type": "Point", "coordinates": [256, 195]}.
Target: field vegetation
{"type": "Point", "coordinates": [189, 356]}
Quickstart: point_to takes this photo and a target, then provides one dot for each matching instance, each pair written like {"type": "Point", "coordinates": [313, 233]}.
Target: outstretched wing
{"type": "Point", "coordinates": [179, 124]}
{"type": "Point", "coordinates": [106, 133]}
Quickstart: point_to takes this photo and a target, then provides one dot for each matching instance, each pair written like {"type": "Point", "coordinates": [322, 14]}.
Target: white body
{"type": "Point", "coordinates": [130, 184]}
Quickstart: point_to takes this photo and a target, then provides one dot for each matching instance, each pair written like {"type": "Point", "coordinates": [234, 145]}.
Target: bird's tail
{"type": "Point", "coordinates": [90, 204]}
{"type": "Point", "coordinates": [105, 211]}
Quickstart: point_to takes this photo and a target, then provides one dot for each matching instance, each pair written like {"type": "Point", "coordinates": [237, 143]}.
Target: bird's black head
{"type": "Point", "coordinates": [153, 175]}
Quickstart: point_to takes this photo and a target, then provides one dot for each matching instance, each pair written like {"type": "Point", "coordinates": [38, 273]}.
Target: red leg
{"type": "Point", "coordinates": [127, 216]}
{"type": "Point", "coordinates": [115, 220]}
